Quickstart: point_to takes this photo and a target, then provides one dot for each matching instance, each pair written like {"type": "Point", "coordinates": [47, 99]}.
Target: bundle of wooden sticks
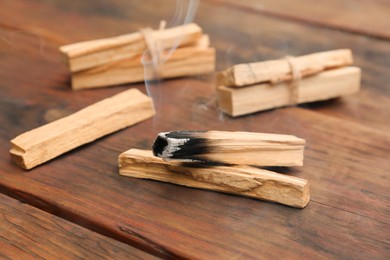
{"type": "Point", "coordinates": [223, 161]}
{"type": "Point", "coordinates": [173, 52]}
{"type": "Point", "coordinates": [252, 87]}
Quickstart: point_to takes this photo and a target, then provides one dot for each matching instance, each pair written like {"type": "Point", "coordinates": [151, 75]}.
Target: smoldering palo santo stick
{"type": "Point", "coordinates": [220, 147]}
{"type": "Point", "coordinates": [239, 179]}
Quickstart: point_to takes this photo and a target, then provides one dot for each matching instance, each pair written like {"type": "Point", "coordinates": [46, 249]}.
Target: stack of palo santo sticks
{"type": "Point", "coordinates": [252, 87]}
{"type": "Point", "coordinates": [223, 161]}
{"type": "Point", "coordinates": [174, 52]}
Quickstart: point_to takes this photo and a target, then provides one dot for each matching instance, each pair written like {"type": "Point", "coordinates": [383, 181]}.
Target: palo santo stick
{"type": "Point", "coordinates": [325, 85]}
{"type": "Point", "coordinates": [89, 54]}
{"type": "Point", "coordinates": [275, 71]}
{"type": "Point", "coordinates": [241, 180]}
{"type": "Point", "coordinates": [188, 61]}
{"type": "Point", "coordinates": [221, 147]}
{"type": "Point", "coordinates": [107, 116]}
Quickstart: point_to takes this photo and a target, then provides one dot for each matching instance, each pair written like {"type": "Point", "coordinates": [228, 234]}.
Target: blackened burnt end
{"type": "Point", "coordinates": [192, 149]}
{"type": "Point", "coordinates": [193, 145]}
{"type": "Point", "coordinates": [195, 148]}
{"type": "Point", "coordinates": [159, 145]}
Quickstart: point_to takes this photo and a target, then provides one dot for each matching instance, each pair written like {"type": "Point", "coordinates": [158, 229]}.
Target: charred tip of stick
{"type": "Point", "coordinates": [160, 144]}
{"type": "Point", "coordinates": [187, 145]}
{"type": "Point", "coordinates": [166, 142]}
{"type": "Point", "coordinates": [179, 145]}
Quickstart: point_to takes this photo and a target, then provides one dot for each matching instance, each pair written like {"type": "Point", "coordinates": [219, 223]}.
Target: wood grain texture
{"type": "Point", "coordinates": [276, 38]}
{"type": "Point", "coordinates": [29, 233]}
{"type": "Point", "coordinates": [89, 54]}
{"type": "Point", "coordinates": [346, 160]}
{"type": "Point", "coordinates": [339, 15]}
{"type": "Point", "coordinates": [186, 61]}
{"type": "Point", "coordinates": [230, 148]}
{"type": "Point", "coordinates": [236, 179]}
{"type": "Point", "coordinates": [140, 220]}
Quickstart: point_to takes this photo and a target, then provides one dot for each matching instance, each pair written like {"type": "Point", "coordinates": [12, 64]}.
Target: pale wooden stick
{"type": "Point", "coordinates": [89, 54]}
{"type": "Point", "coordinates": [322, 86]}
{"type": "Point", "coordinates": [241, 180]}
{"type": "Point", "coordinates": [275, 71]}
{"type": "Point", "coordinates": [109, 115]}
{"type": "Point", "coordinates": [188, 61]}
{"type": "Point", "coordinates": [222, 147]}
{"type": "Point", "coordinates": [202, 43]}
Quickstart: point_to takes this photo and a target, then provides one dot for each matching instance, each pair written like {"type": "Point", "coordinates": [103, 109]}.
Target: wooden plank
{"type": "Point", "coordinates": [338, 15]}
{"type": "Point", "coordinates": [348, 193]}
{"type": "Point", "coordinates": [346, 162]}
{"type": "Point", "coordinates": [276, 38]}
{"type": "Point", "coordinates": [241, 43]}
{"type": "Point", "coordinates": [29, 233]}
{"type": "Point", "coordinates": [355, 100]}
{"type": "Point", "coordinates": [328, 163]}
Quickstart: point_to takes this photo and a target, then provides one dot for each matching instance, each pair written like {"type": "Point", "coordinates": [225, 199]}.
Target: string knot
{"type": "Point", "coordinates": [295, 81]}
{"type": "Point", "coordinates": [154, 47]}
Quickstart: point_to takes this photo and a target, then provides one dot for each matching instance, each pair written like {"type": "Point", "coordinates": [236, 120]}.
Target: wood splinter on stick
{"type": "Point", "coordinates": [241, 180]}
{"type": "Point", "coordinates": [107, 116]}
{"type": "Point", "coordinates": [248, 88]}
{"type": "Point", "coordinates": [220, 147]}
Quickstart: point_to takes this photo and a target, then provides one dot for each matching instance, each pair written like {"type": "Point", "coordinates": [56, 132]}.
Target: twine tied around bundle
{"type": "Point", "coordinates": [154, 47]}
{"type": "Point", "coordinates": [295, 81]}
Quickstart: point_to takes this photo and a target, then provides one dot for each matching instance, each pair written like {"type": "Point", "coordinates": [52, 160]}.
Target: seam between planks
{"type": "Point", "coordinates": [137, 240]}
{"type": "Point", "coordinates": [361, 126]}
{"type": "Point", "coordinates": [37, 32]}
{"type": "Point", "coordinates": [351, 212]}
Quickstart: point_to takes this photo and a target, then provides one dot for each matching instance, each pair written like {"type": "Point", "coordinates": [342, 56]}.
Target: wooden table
{"type": "Point", "coordinates": [77, 206]}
